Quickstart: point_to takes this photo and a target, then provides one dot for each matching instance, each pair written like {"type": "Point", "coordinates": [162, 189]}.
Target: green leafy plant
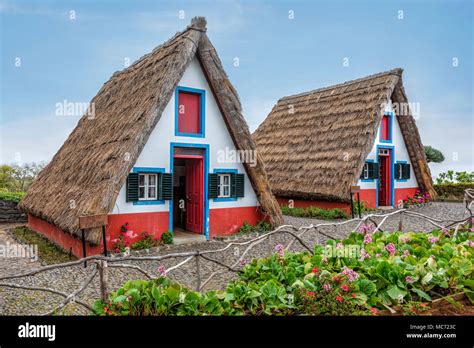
{"type": "Point", "coordinates": [261, 226]}
{"type": "Point", "coordinates": [167, 238]}
{"type": "Point", "coordinates": [433, 155]}
{"type": "Point", "coordinates": [315, 212]}
{"type": "Point", "coordinates": [406, 270]}
{"type": "Point", "coordinates": [11, 196]}
{"type": "Point", "coordinates": [452, 177]}
{"type": "Point", "coordinates": [147, 241]}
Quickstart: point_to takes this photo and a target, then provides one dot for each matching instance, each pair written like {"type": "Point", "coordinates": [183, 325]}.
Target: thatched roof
{"type": "Point", "coordinates": [86, 174]}
{"type": "Point", "coordinates": [314, 144]}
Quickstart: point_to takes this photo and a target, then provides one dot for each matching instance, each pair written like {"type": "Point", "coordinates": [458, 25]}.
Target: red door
{"type": "Point", "coordinates": [384, 178]}
{"type": "Point", "coordinates": [194, 195]}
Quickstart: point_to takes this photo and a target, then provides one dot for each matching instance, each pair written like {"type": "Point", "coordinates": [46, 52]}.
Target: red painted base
{"type": "Point", "coordinates": [227, 221]}
{"type": "Point", "coordinates": [153, 223]}
{"type": "Point", "coordinates": [368, 196]}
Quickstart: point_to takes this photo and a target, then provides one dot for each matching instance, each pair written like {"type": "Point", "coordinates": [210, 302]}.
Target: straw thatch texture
{"type": "Point", "coordinates": [314, 144]}
{"type": "Point", "coordinates": [86, 174]}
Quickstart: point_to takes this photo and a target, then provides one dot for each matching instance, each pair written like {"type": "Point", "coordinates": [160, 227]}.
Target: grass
{"type": "Point", "coordinates": [48, 252]}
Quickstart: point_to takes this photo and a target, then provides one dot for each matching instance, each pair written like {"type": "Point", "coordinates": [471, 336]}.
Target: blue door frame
{"type": "Point", "coordinates": [205, 226]}
{"type": "Point", "coordinates": [392, 182]}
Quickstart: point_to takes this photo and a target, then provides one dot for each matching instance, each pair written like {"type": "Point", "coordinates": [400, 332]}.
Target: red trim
{"type": "Point", "coordinates": [226, 221]}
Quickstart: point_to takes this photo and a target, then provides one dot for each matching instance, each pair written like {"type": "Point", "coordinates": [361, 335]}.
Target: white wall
{"type": "Point", "coordinates": [156, 152]}
{"type": "Point", "coordinates": [401, 154]}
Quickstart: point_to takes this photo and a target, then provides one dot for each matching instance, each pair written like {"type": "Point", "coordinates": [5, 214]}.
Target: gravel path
{"type": "Point", "coordinates": [27, 302]}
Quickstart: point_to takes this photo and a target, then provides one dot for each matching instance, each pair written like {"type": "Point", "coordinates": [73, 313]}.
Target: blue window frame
{"type": "Point", "coordinates": [400, 180]}
{"type": "Point", "coordinates": [390, 128]}
{"type": "Point", "coordinates": [202, 112]}
{"type": "Point", "coordinates": [225, 171]}
{"type": "Point", "coordinates": [150, 170]}
{"type": "Point", "coordinates": [363, 168]}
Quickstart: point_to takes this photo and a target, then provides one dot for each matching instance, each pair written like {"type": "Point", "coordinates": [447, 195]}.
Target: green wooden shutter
{"type": "Point", "coordinates": [406, 171]}
{"type": "Point", "coordinates": [397, 174]}
{"type": "Point", "coordinates": [375, 170]}
{"type": "Point", "coordinates": [212, 190]}
{"type": "Point", "coordinates": [132, 188]}
{"type": "Point", "coordinates": [233, 189]}
{"type": "Point", "coordinates": [239, 185]}
{"type": "Point", "coordinates": [166, 186]}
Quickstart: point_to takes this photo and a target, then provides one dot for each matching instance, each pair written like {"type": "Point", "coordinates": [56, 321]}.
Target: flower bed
{"type": "Point", "coordinates": [360, 275]}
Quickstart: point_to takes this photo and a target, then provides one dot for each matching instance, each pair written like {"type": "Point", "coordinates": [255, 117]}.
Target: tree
{"type": "Point", "coordinates": [433, 155]}
{"type": "Point", "coordinates": [17, 178]}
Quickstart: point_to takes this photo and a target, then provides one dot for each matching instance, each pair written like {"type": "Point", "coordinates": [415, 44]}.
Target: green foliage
{"type": "Point", "coordinates": [315, 212]}
{"type": "Point", "coordinates": [363, 207]}
{"type": "Point", "coordinates": [452, 177]}
{"type": "Point", "coordinates": [261, 226]}
{"type": "Point", "coordinates": [419, 266]}
{"type": "Point", "coordinates": [433, 155]}
{"type": "Point", "coordinates": [167, 238]}
{"type": "Point", "coordinates": [48, 252]}
{"type": "Point", "coordinates": [146, 242]}
{"type": "Point", "coordinates": [452, 192]}
{"type": "Point", "coordinates": [11, 196]}
{"type": "Point", "coordinates": [17, 178]}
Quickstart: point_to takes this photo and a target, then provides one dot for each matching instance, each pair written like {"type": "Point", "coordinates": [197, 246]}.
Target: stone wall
{"type": "Point", "coordinates": [10, 213]}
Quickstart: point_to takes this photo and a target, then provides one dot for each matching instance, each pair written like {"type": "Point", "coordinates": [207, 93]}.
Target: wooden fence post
{"type": "Point", "coordinates": [104, 295]}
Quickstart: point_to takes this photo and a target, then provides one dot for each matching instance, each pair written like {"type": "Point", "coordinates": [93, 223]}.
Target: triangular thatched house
{"type": "Point", "coordinates": [167, 149]}
{"type": "Point", "coordinates": [316, 145]}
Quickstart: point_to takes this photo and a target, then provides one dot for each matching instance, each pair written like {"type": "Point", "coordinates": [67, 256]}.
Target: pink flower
{"type": "Point", "coordinates": [366, 228]}
{"type": "Point", "coordinates": [280, 249]}
{"type": "Point", "coordinates": [364, 255]}
{"type": "Point", "coordinates": [339, 299]}
{"type": "Point", "coordinates": [409, 279]}
{"type": "Point", "coordinates": [327, 286]}
{"type": "Point", "coordinates": [339, 246]}
{"type": "Point", "coordinates": [351, 274]}
{"type": "Point", "coordinates": [406, 253]}
{"type": "Point", "coordinates": [433, 239]}
{"type": "Point", "coordinates": [378, 255]}
{"type": "Point", "coordinates": [315, 270]}
{"type": "Point", "coordinates": [367, 238]}
{"type": "Point", "coordinates": [344, 287]}
{"type": "Point", "coordinates": [162, 271]}
{"type": "Point", "coordinates": [390, 248]}
{"type": "Point", "coordinates": [242, 262]}
{"type": "Point", "coordinates": [470, 243]}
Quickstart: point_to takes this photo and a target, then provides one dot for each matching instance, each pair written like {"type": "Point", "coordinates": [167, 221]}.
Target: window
{"type": "Point", "coordinates": [147, 186]}
{"type": "Point", "coordinates": [370, 171]}
{"type": "Point", "coordinates": [402, 171]}
{"type": "Point", "coordinates": [224, 185]}
{"type": "Point", "coordinates": [189, 112]}
{"type": "Point", "coordinates": [385, 129]}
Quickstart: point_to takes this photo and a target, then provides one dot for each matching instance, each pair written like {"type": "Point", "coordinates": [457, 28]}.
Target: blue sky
{"type": "Point", "coordinates": [70, 59]}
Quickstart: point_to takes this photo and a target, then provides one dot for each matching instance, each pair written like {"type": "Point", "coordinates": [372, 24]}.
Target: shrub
{"type": "Point", "coordinates": [146, 242]}
{"type": "Point", "coordinates": [261, 226]}
{"type": "Point", "coordinates": [418, 199]}
{"type": "Point", "coordinates": [452, 177]}
{"type": "Point", "coordinates": [167, 238]}
{"type": "Point", "coordinates": [11, 196]}
{"type": "Point", "coordinates": [452, 192]}
{"type": "Point", "coordinates": [315, 212]}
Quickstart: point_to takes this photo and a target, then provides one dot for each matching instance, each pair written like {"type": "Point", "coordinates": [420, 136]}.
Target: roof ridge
{"type": "Point", "coordinates": [395, 71]}
{"type": "Point", "coordinates": [197, 23]}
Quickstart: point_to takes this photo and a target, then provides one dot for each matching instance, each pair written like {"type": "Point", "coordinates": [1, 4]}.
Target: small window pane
{"type": "Point", "coordinates": [152, 179]}
{"type": "Point", "coordinates": [151, 192]}
{"type": "Point", "coordinates": [141, 180]}
{"type": "Point", "coordinates": [141, 192]}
